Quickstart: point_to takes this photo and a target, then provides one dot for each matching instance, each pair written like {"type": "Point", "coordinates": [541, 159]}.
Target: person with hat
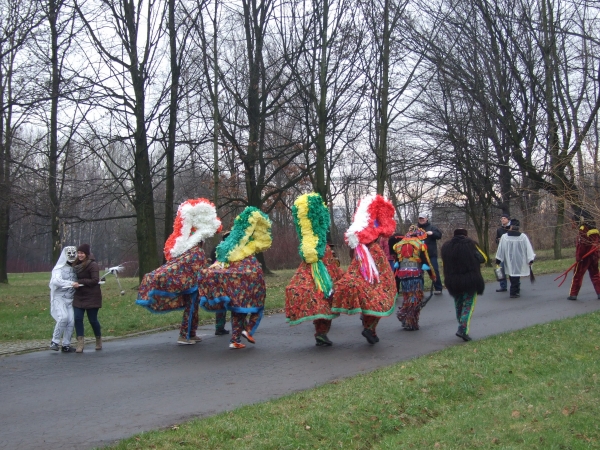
{"type": "Point", "coordinates": [516, 252]}
{"type": "Point", "coordinates": [462, 259]}
{"type": "Point", "coordinates": [502, 229]}
{"type": "Point", "coordinates": [586, 253]}
{"type": "Point", "coordinates": [434, 234]}
{"type": "Point", "coordinates": [87, 298]}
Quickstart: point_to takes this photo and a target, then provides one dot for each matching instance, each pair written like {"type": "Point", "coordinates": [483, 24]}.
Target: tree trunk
{"type": "Point", "coordinates": [382, 149]}
{"type": "Point", "coordinates": [170, 150]}
{"type": "Point", "coordinates": [53, 11]}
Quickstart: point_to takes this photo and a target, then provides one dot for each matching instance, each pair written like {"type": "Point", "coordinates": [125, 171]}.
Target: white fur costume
{"type": "Point", "coordinates": [61, 299]}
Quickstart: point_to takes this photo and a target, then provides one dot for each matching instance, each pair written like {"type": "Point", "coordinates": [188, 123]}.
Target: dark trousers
{"type": "Point", "coordinates": [437, 286]}
{"type": "Point", "coordinates": [515, 285]}
{"type": "Point", "coordinates": [92, 315]}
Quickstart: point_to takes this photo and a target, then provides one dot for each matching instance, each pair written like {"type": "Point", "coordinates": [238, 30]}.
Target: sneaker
{"type": "Point", "coordinates": [68, 349]}
{"type": "Point", "coordinates": [54, 346]}
{"type": "Point", "coordinates": [236, 345]}
{"type": "Point", "coordinates": [437, 292]}
{"type": "Point", "coordinates": [323, 340]}
{"type": "Point", "coordinates": [574, 297]}
{"type": "Point", "coordinates": [221, 331]}
{"type": "Point", "coordinates": [517, 296]}
{"type": "Point", "coordinates": [501, 290]}
{"type": "Point", "coordinates": [368, 334]}
{"type": "Point", "coordinates": [248, 337]}
{"type": "Point", "coordinates": [196, 338]}
{"type": "Point", "coordinates": [464, 336]}
{"type": "Point", "coordinates": [183, 341]}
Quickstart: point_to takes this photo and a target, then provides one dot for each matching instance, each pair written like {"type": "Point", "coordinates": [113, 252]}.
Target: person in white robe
{"type": "Point", "coordinates": [516, 254]}
{"type": "Point", "coordinates": [61, 299]}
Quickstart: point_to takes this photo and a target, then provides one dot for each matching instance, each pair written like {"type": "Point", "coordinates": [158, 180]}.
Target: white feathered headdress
{"type": "Point", "coordinates": [196, 221]}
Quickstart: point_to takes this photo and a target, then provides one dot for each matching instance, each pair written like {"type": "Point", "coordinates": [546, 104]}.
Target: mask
{"type": "Point", "coordinates": [71, 253]}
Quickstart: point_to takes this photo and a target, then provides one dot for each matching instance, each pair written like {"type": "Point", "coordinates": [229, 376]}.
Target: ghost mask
{"type": "Point", "coordinates": [71, 253]}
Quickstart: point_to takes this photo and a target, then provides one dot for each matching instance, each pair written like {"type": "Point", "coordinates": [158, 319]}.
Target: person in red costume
{"type": "Point", "coordinates": [586, 253]}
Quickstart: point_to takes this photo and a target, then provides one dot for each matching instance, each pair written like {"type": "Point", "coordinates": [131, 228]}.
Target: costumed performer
{"type": "Point", "coordinates": [413, 260]}
{"type": "Point", "coordinates": [462, 259]}
{"type": "Point", "coordinates": [235, 282]}
{"type": "Point", "coordinates": [174, 285]}
{"type": "Point", "coordinates": [368, 286]}
{"type": "Point", "coordinates": [309, 294]}
{"type": "Point", "coordinates": [586, 253]}
{"type": "Point", "coordinates": [61, 299]}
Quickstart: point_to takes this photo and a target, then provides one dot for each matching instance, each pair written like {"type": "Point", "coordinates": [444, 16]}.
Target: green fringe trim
{"type": "Point", "coordinates": [321, 277]}
{"type": "Point", "coordinates": [315, 317]}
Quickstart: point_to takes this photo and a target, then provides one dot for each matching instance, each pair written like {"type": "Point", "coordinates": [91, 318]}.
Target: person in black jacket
{"type": "Point", "coordinates": [462, 274]}
{"type": "Point", "coordinates": [433, 235]}
{"type": "Point", "coordinates": [504, 227]}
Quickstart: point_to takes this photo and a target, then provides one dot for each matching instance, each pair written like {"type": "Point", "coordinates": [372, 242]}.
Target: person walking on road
{"type": "Point", "coordinates": [433, 235]}
{"type": "Point", "coordinates": [368, 285]}
{"type": "Point", "coordinates": [61, 299]}
{"type": "Point", "coordinates": [516, 252]}
{"type": "Point", "coordinates": [586, 253]}
{"type": "Point", "coordinates": [462, 259]}
{"type": "Point", "coordinates": [88, 296]}
{"type": "Point", "coordinates": [413, 260]}
{"type": "Point", "coordinates": [502, 229]}
{"type": "Point", "coordinates": [309, 294]}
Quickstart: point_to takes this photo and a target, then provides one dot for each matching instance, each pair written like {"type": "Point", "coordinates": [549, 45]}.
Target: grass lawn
{"type": "Point", "coordinates": [536, 388]}
{"type": "Point", "coordinates": [25, 303]}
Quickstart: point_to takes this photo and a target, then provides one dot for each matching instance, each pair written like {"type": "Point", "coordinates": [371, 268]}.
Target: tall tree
{"type": "Point", "coordinates": [129, 51]}
{"type": "Point", "coordinates": [19, 19]}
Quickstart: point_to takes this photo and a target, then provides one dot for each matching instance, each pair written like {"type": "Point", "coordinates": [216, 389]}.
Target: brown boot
{"type": "Point", "coordinates": [98, 342]}
{"type": "Point", "coordinates": [79, 348]}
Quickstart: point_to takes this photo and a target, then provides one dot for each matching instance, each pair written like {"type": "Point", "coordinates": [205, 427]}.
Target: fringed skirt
{"type": "Point", "coordinates": [412, 293]}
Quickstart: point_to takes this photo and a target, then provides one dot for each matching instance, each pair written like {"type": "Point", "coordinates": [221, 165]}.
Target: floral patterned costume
{"type": "Point", "coordinates": [239, 288]}
{"type": "Point", "coordinates": [303, 301]}
{"type": "Point", "coordinates": [174, 286]}
{"type": "Point", "coordinates": [354, 294]}
{"type": "Point", "coordinates": [235, 282]}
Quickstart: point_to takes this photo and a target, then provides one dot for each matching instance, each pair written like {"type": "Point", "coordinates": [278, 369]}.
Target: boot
{"type": "Point", "coordinates": [98, 342]}
{"type": "Point", "coordinates": [79, 348]}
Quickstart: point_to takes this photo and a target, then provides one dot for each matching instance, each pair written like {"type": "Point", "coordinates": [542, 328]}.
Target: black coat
{"type": "Point", "coordinates": [462, 271]}
{"type": "Point", "coordinates": [431, 241]}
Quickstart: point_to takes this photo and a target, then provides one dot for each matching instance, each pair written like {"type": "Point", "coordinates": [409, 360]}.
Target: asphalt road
{"type": "Point", "coordinates": [52, 400]}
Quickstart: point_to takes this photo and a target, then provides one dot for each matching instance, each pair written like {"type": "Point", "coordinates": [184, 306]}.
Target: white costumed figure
{"type": "Point", "coordinates": [61, 299]}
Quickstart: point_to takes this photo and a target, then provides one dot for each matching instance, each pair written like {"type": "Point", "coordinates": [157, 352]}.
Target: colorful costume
{"type": "Point", "coordinates": [412, 256]}
{"type": "Point", "coordinates": [368, 286]}
{"type": "Point", "coordinates": [462, 275]}
{"type": "Point", "coordinates": [174, 285]}
{"type": "Point", "coordinates": [586, 255]}
{"type": "Point", "coordinates": [309, 294]}
{"type": "Point", "coordinates": [235, 282]}
{"type": "Point", "coordinates": [61, 299]}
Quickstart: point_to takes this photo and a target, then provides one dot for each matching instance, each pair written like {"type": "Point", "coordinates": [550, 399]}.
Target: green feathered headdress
{"type": "Point", "coordinates": [311, 217]}
{"type": "Point", "coordinates": [251, 234]}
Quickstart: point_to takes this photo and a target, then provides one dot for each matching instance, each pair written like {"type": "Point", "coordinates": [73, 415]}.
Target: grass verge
{"type": "Point", "coordinates": [25, 303]}
{"type": "Point", "coordinates": [532, 389]}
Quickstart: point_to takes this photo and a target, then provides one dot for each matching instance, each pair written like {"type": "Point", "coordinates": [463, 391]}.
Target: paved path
{"type": "Point", "coordinates": [52, 400]}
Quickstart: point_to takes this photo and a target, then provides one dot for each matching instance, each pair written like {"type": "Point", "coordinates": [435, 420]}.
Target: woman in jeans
{"type": "Point", "coordinates": [88, 296]}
